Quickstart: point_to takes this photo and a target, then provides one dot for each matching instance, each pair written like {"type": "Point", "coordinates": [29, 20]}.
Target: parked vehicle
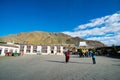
{"type": "Point", "coordinates": [16, 54]}
{"type": "Point", "coordinates": [8, 54]}
{"type": "Point", "coordinates": [12, 54]}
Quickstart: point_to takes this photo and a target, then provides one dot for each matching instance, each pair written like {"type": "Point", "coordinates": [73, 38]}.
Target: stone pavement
{"type": "Point", "coordinates": [38, 67]}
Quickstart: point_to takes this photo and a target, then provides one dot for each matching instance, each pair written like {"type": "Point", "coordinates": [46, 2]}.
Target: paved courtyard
{"type": "Point", "coordinates": [37, 67]}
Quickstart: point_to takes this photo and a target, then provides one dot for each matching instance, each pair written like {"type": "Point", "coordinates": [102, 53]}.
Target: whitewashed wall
{"type": "Point", "coordinates": [8, 48]}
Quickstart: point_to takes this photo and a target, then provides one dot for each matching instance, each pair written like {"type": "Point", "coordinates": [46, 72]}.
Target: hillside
{"type": "Point", "coordinates": [38, 37]}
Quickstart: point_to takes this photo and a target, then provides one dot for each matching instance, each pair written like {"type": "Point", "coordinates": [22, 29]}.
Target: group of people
{"type": "Point", "coordinates": [85, 54]}
{"type": "Point", "coordinates": [91, 53]}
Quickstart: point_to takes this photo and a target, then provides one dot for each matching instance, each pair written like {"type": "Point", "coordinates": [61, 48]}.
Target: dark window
{"type": "Point", "coordinates": [27, 51]}
{"type": "Point", "coordinates": [52, 47]}
{"type": "Point", "coordinates": [6, 50]}
{"type": "Point", "coordinates": [35, 51]}
{"type": "Point", "coordinates": [0, 51]}
{"type": "Point", "coordinates": [58, 49]}
{"type": "Point", "coordinates": [21, 50]}
{"type": "Point", "coordinates": [35, 47]}
{"type": "Point", "coordinates": [21, 47]}
{"type": "Point", "coordinates": [11, 50]}
{"type": "Point", "coordinates": [44, 49]}
{"type": "Point", "coordinates": [28, 48]}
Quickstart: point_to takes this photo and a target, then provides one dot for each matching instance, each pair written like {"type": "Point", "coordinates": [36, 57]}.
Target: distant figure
{"type": "Point", "coordinates": [67, 56]}
{"type": "Point", "coordinates": [93, 57]}
{"type": "Point", "coordinates": [90, 53]}
{"type": "Point", "coordinates": [22, 53]}
{"type": "Point", "coordinates": [80, 54]}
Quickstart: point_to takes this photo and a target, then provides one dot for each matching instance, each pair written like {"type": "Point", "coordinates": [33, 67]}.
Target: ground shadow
{"type": "Point", "coordinates": [79, 62]}
{"type": "Point", "coordinates": [77, 56]}
{"type": "Point", "coordinates": [116, 64]}
{"type": "Point", "coordinates": [116, 60]}
{"type": "Point", "coordinates": [112, 56]}
{"type": "Point", "coordinates": [68, 62]}
{"type": "Point", "coordinates": [74, 56]}
{"type": "Point", "coordinates": [56, 61]}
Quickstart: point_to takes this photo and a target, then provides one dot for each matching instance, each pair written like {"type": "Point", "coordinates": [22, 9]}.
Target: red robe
{"type": "Point", "coordinates": [67, 56]}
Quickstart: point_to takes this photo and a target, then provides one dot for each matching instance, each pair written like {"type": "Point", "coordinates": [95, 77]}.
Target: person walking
{"type": "Point", "coordinates": [67, 56]}
{"type": "Point", "coordinates": [93, 55]}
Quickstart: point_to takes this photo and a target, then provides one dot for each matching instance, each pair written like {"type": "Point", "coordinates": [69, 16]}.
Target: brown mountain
{"type": "Point", "coordinates": [95, 43]}
{"type": "Point", "coordinates": [38, 37]}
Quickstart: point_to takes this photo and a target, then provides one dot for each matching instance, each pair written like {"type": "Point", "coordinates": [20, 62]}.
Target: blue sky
{"type": "Point", "coordinates": [67, 16]}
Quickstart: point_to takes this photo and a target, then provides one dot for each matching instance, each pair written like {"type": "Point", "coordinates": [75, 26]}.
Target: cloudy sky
{"type": "Point", "coordinates": [89, 19]}
{"type": "Point", "coordinates": [105, 29]}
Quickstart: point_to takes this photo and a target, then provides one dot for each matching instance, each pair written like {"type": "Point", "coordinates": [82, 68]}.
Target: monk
{"type": "Point", "coordinates": [67, 56]}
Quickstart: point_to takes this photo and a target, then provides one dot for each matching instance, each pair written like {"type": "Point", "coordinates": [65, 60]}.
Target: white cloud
{"type": "Point", "coordinates": [93, 23]}
{"type": "Point", "coordinates": [105, 29]}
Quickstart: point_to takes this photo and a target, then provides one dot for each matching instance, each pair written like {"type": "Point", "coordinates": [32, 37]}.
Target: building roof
{"type": "Point", "coordinates": [8, 45]}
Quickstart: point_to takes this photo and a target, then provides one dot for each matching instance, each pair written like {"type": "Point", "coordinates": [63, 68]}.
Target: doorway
{"type": "Point", "coordinates": [0, 51]}
{"type": "Point", "coordinates": [52, 51]}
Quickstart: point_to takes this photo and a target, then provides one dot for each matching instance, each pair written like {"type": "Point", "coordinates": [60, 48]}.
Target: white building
{"type": "Point", "coordinates": [84, 46]}
{"type": "Point", "coordinates": [31, 49]}
{"type": "Point", "coordinates": [83, 43]}
{"type": "Point", "coordinates": [8, 48]}
{"type": "Point", "coordinates": [41, 49]}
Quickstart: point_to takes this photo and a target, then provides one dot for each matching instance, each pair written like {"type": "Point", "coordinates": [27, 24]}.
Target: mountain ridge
{"type": "Point", "coordinates": [40, 37]}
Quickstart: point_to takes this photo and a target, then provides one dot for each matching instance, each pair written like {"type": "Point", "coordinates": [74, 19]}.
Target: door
{"type": "Point", "coordinates": [0, 51]}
